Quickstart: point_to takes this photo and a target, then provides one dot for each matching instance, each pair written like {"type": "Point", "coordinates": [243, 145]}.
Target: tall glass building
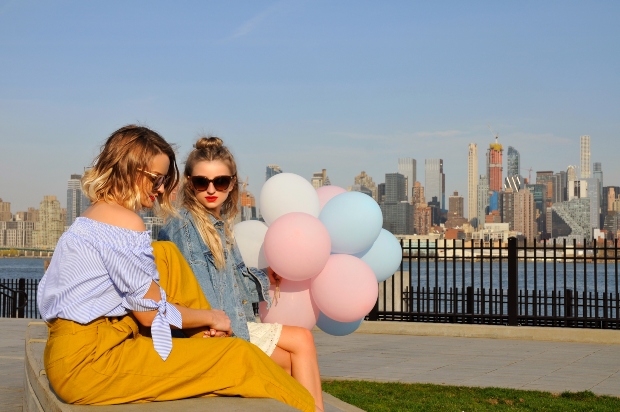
{"type": "Point", "coordinates": [483, 199]}
{"type": "Point", "coordinates": [513, 163]}
{"type": "Point", "coordinates": [407, 168]}
{"type": "Point", "coordinates": [272, 170]}
{"type": "Point", "coordinates": [435, 180]}
{"type": "Point", "coordinates": [77, 202]}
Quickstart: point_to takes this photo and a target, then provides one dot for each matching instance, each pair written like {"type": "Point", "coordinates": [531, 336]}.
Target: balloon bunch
{"type": "Point", "coordinates": [328, 246]}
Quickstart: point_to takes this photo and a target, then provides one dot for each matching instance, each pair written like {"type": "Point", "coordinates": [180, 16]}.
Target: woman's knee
{"type": "Point", "coordinates": [303, 338]}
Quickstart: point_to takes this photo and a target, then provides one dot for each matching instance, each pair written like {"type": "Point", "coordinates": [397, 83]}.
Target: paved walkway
{"type": "Point", "coordinates": [524, 364]}
{"type": "Point", "coordinates": [12, 333]}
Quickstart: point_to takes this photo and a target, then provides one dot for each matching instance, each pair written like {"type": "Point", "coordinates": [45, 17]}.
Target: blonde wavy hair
{"type": "Point", "coordinates": [115, 175]}
{"type": "Point", "coordinates": [208, 149]}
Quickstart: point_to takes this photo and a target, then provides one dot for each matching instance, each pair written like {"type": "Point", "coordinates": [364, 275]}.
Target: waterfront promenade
{"type": "Point", "coordinates": [469, 355]}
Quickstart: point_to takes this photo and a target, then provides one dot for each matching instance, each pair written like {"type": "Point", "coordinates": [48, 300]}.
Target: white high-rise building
{"type": "Point", "coordinates": [585, 157]}
{"type": "Point", "coordinates": [472, 182]}
{"type": "Point", "coordinates": [407, 168]}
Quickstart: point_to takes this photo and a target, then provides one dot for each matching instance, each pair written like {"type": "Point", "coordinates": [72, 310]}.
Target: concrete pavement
{"type": "Point", "coordinates": [553, 366]}
{"type": "Point", "coordinates": [401, 355]}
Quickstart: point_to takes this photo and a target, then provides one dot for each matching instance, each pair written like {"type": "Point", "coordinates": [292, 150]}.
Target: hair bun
{"type": "Point", "coordinates": [210, 142]}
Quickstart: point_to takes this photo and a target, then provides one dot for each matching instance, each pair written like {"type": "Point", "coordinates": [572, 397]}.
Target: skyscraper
{"type": "Point", "coordinates": [50, 225]}
{"type": "Point", "coordinates": [395, 188]}
{"type": "Point", "coordinates": [525, 214]}
{"type": "Point", "coordinates": [483, 199]}
{"type": "Point", "coordinates": [76, 201]}
{"type": "Point", "coordinates": [407, 168]}
{"type": "Point", "coordinates": [598, 174]}
{"type": "Point", "coordinates": [506, 207]}
{"type": "Point", "coordinates": [435, 180]}
{"type": "Point", "coordinates": [472, 182]}
{"type": "Point", "coordinates": [365, 181]}
{"type": "Point", "coordinates": [553, 183]}
{"type": "Point", "coordinates": [513, 163]}
{"type": "Point", "coordinates": [455, 205]}
{"type": "Point", "coordinates": [396, 210]}
{"type": "Point", "coordinates": [585, 157]}
{"type": "Point", "coordinates": [494, 166]}
{"type": "Point", "coordinates": [593, 192]}
{"type": "Point", "coordinates": [272, 170]}
{"type": "Point", "coordinates": [418, 194]}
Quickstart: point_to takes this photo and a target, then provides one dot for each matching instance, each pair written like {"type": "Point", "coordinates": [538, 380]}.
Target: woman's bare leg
{"type": "Point", "coordinates": [296, 353]}
{"type": "Point", "coordinates": [282, 358]}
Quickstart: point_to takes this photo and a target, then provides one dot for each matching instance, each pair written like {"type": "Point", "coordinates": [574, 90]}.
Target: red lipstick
{"type": "Point", "coordinates": [211, 199]}
{"type": "Point", "coordinates": [152, 198]}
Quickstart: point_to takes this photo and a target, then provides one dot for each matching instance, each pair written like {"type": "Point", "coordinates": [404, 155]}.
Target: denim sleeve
{"type": "Point", "coordinates": [261, 285]}
{"type": "Point", "coordinates": [255, 280]}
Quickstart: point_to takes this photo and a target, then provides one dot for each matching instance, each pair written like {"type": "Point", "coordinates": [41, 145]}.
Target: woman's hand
{"type": "Point", "coordinates": [212, 333]}
{"type": "Point", "coordinates": [219, 323]}
{"type": "Point", "coordinates": [273, 276]}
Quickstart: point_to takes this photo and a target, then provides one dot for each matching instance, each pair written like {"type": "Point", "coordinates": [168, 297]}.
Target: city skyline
{"type": "Point", "coordinates": [345, 87]}
{"type": "Point", "coordinates": [421, 175]}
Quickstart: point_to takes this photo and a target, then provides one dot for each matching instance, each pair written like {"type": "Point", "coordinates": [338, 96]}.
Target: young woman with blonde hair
{"type": "Point", "coordinates": [203, 233]}
{"type": "Point", "coordinates": [106, 280]}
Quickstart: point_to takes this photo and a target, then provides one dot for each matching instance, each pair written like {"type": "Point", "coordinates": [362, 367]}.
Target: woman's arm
{"type": "Point", "coordinates": [192, 318]}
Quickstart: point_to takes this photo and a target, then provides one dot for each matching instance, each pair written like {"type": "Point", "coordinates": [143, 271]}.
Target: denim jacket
{"type": "Point", "coordinates": [232, 289]}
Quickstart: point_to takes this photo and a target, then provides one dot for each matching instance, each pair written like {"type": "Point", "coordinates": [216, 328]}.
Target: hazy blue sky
{"type": "Point", "coordinates": [341, 85]}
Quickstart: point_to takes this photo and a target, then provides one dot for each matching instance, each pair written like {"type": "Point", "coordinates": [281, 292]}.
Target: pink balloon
{"type": "Point", "coordinates": [294, 306]}
{"type": "Point", "coordinates": [327, 192]}
{"type": "Point", "coordinates": [297, 246]}
{"type": "Point", "coordinates": [346, 290]}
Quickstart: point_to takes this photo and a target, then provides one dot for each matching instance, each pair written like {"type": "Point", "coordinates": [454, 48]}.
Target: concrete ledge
{"type": "Point", "coordinates": [603, 336]}
{"type": "Point", "coordinates": [40, 397]}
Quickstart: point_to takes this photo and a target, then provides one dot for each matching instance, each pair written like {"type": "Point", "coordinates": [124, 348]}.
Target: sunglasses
{"type": "Point", "coordinates": [156, 178]}
{"type": "Point", "coordinates": [220, 183]}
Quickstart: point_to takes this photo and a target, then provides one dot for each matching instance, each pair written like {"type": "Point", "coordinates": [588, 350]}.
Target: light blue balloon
{"type": "Point", "coordinates": [353, 221]}
{"type": "Point", "coordinates": [332, 327]}
{"type": "Point", "coordinates": [384, 256]}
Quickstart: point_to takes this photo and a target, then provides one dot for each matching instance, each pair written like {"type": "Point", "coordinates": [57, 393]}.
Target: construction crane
{"type": "Point", "coordinates": [493, 132]}
{"type": "Point", "coordinates": [529, 179]}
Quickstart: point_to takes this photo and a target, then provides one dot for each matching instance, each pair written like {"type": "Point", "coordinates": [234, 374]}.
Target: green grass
{"type": "Point", "coordinates": [378, 396]}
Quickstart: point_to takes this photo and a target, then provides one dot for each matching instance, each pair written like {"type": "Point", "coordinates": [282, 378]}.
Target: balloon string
{"type": "Point", "coordinates": [276, 295]}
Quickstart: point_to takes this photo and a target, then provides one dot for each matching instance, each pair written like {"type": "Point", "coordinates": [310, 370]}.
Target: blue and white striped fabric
{"type": "Point", "coordinates": [104, 270]}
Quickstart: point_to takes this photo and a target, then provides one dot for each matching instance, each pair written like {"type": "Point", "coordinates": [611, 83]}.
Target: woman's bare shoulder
{"type": "Point", "coordinates": [116, 215]}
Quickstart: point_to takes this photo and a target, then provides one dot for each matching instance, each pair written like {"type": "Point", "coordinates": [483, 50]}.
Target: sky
{"type": "Point", "coordinates": [346, 86]}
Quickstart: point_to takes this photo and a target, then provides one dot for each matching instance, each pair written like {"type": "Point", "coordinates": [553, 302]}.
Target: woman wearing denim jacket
{"type": "Point", "coordinates": [203, 233]}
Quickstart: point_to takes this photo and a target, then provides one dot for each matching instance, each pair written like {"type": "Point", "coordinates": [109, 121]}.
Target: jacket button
{"type": "Point", "coordinates": [244, 301]}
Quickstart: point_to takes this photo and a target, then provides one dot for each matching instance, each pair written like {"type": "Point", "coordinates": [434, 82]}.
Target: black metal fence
{"type": "Point", "coordinates": [548, 284]}
{"type": "Point", "coordinates": [18, 298]}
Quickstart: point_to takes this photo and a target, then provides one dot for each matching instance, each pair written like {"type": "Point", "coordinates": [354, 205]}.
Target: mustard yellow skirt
{"type": "Point", "coordinates": [108, 361]}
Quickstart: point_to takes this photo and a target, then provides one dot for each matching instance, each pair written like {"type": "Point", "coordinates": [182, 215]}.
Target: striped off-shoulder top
{"type": "Point", "coordinates": [99, 270]}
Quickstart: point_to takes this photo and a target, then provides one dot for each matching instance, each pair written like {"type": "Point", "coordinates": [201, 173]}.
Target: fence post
{"type": "Point", "coordinates": [374, 312]}
{"type": "Point", "coordinates": [21, 299]}
{"type": "Point", "coordinates": [512, 282]}
{"type": "Point", "coordinates": [470, 303]}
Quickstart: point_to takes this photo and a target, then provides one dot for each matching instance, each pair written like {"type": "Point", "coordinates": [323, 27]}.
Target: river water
{"type": "Point", "coordinates": [444, 274]}
{"type": "Point", "coordinates": [16, 268]}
